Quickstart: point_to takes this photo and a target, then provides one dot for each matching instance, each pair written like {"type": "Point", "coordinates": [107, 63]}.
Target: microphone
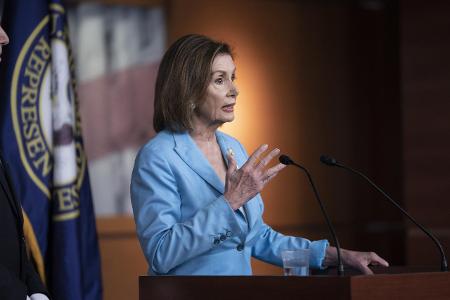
{"type": "Point", "coordinates": [330, 161]}
{"type": "Point", "coordinates": [286, 160]}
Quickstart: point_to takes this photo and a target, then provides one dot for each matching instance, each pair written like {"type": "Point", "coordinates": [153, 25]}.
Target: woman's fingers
{"type": "Point", "coordinates": [265, 161]}
{"type": "Point", "coordinates": [365, 270]}
{"type": "Point", "coordinates": [244, 183]}
{"type": "Point", "coordinates": [362, 260]}
{"type": "Point", "coordinates": [231, 164]}
{"type": "Point", "coordinates": [377, 261]}
{"type": "Point", "coordinates": [255, 163]}
{"type": "Point", "coordinates": [256, 168]}
{"type": "Point", "coordinates": [272, 172]}
{"type": "Point", "coordinates": [253, 159]}
{"type": "Point", "coordinates": [355, 259]}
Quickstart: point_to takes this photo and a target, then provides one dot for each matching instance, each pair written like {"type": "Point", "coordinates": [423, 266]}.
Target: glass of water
{"type": "Point", "coordinates": [296, 262]}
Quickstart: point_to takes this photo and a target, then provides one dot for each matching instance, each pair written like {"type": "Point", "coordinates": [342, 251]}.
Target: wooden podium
{"type": "Point", "coordinates": [394, 283]}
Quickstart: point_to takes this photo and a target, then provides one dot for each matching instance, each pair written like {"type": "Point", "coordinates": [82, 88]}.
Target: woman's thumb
{"type": "Point", "coordinates": [231, 164]}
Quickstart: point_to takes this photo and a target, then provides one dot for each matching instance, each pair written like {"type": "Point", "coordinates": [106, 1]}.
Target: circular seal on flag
{"type": "Point", "coordinates": [45, 118]}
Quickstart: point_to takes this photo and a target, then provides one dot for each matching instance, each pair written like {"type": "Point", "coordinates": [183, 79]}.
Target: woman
{"type": "Point", "coordinates": [194, 190]}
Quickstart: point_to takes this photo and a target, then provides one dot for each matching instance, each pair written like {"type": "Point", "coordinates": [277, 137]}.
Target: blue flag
{"type": "Point", "coordinates": [40, 138]}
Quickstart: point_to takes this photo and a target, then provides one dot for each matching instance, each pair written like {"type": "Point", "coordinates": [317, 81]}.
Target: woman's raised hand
{"type": "Point", "coordinates": [246, 182]}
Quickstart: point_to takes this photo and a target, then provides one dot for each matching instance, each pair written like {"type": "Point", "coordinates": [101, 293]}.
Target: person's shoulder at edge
{"type": "Point", "coordinates": [163, 140]}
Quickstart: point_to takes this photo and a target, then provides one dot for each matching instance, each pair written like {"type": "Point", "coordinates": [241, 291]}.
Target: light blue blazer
{"type": "Point", "coordinates": [184, 223]}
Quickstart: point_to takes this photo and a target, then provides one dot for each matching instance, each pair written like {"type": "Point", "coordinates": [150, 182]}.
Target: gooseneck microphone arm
{"type": "Point", "coordinates": [285, 160]}
{"type": "Point", "coordinates": [329, 161]}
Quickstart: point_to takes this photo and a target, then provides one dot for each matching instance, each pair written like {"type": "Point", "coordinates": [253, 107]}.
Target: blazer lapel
{"type": "Point", "coordinates": [188, 151]}
{"type": "Point", "coordinates": [240, 158]}
{"type": "Point", "coordinates": [186, 148]}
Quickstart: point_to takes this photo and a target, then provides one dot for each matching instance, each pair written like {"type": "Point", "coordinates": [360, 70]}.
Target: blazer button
{"type": "Point", "coordinates": [223, 237]}
{"type": "Point", "coordinates": [228, 234]}
{"type": "Point", "coordinates": [240, 247]}
{"type": "Point", "coordinates": [216, 241]}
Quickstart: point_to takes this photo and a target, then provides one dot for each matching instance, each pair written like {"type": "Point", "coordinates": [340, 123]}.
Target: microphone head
{"type": "Point", "coordinates": [285, 160]}
{"type": "Point", "coordinates": [328, 160]}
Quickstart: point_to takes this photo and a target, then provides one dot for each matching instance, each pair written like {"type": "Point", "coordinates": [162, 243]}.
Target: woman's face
{"type": "Point", "coordinates": [220, 97]}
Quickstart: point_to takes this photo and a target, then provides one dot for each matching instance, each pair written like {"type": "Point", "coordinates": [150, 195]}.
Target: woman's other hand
{"type": "Point", "coordinates": [246, 182]}
{"type": "Point", "coordinates": [355, 259]}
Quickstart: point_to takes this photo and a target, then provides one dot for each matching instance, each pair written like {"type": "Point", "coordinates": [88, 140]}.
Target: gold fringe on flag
{"type": "Point", "coordinates": [33, 246]}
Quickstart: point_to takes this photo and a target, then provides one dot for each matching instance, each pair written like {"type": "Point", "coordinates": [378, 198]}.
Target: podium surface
{"type": "Point", "coordinates": [401, 285]}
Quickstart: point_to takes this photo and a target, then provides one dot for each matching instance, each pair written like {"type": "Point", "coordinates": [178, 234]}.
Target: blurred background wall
{"type": "Point", "coordinates": [365, 81]}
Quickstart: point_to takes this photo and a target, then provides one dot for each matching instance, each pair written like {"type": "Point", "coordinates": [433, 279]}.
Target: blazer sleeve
{"type": "Point", "coordinates": [166, 240]}
{"type": "Point", "coordinates": [270, 243]}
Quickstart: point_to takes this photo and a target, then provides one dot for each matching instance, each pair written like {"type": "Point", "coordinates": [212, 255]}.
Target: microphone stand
{"type": "Point", "coordinates": [332, 162]}
{"type": "Point", "coordinates": [284, 159]}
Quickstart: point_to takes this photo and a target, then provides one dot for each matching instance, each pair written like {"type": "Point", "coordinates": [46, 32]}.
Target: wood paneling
{"type": "Point", "coordinates": [315, 77]}
{"type": "Point", "coordinates": [121, 257]}
{"type": "Point", "coordinates": [426, 91]}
